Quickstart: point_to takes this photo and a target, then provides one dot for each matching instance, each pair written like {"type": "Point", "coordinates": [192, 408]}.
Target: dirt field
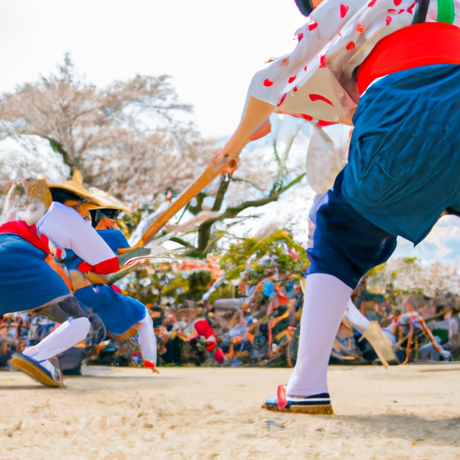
{"type": "Point", "coordinates": [410, 412]}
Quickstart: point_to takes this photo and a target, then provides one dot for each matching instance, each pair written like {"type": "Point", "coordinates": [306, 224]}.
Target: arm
{"type": "Point", "coordinates": [255, 114]}
{"type": "Point", "coordinates": [66, 229]}
{"type": "Point", "coordinates": [269, 86]}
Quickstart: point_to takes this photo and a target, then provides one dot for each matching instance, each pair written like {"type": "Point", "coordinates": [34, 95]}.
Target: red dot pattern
{"type": "Point", "coordinates": [344, 10]}
{"type": "Point", "coordinates": [351, 46]}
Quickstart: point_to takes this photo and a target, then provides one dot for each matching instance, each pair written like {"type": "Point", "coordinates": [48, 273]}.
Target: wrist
{"type": "Point", "coordinates": [233, 148]}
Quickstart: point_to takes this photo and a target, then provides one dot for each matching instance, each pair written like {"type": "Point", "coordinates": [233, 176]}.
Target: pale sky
{"type": "Point", "coordinates": [211, 48]}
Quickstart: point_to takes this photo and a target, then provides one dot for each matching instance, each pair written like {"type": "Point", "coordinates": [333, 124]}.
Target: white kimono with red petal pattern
{"type": "Point", "coordinates": [315, 81]}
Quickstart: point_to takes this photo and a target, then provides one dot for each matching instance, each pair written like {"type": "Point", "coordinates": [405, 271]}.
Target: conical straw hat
{"type": "Point", "coordinates": [100, 199]}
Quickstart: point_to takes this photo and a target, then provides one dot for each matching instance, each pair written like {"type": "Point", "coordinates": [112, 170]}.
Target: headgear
{"type": "Point", "coordinates": [305, 6]}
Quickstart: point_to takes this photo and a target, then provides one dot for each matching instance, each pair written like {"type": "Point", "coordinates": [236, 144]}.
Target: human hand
{"type": "Point", "coordinates": [222, 155]}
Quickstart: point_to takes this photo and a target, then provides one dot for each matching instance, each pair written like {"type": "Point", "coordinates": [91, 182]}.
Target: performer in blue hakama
{"type": "Point", "coordinates": [122, 315]}
{"type": "Point", "coordinates": [28, 281]}
{"type": "Point", "coordinates": [391, 68]}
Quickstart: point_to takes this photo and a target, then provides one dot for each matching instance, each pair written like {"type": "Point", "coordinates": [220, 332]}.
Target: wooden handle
{"type": "Point", "coordinates": [211, 172]}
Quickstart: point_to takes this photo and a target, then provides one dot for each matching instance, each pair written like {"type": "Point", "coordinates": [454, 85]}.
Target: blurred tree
{"type": "Point", "coordinates": [253, 256]}
{"type": "Point", "coordinates": [132, 138]}
{"type": "Point", "coordinates": [272, 169]}
{"type": "Point", "coordinates": [408, 276]}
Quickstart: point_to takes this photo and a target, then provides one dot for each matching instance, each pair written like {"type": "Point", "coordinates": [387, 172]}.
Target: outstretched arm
{"type": "Point", "coordinates": [66, 229]}
{"type": "Point", "coordinates": [270, 86]}
{"type": "Point", "coordinates": [255, 114]}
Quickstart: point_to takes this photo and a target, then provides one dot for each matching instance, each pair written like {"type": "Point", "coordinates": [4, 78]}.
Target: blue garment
{"type": "Point", "coordinates": [403, 172]}
{"type": "Point", "coordinates": [26, 280]}
{"type": "Point", "coordinates": [345, 244]}
{"type": "Point", "coordinates": [404, 160]}
{"type": "Point", "coordinates": [118, 312]}
{"type": "Point", "coordinates": [268, 289]}
{"type": "Point", "coordinates": [114, 238]}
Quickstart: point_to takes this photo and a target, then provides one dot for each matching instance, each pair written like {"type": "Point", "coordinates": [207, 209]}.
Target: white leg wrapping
{"type": "Point", "coordinates": [326, 298]}
{"type": "Point", "coordinates": [147, 339]}
{"type": "Point", "coordinates": [61, 339]}
{"type": "Point", "coordinates": [48, 366]}
{"type": "Point", "coordinates": [356, 318]}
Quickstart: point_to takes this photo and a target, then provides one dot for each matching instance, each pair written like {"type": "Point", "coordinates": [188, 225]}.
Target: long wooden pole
{"type": "Point", "coordinates": [211, 172]}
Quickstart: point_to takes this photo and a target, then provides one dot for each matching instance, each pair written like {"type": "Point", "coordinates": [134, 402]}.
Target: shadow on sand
{"type": "Point", "coordinates": [410, 427]}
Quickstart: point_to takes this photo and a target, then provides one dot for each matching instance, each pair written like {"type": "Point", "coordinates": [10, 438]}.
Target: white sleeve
{"type": "Point", "coordinates": [66, 229]}
{"type": "Point", "coordinates": [324, 23]}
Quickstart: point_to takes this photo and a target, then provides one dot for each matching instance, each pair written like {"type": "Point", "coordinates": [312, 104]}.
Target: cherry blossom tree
{"type": "Point", "coordinates": [409, 276]}
{"type": "Point", "coordinates": [133, 138]}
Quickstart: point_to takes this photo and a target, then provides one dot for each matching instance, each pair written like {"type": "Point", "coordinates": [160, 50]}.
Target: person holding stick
{"type": "Point", "coordinates": [390, 68]}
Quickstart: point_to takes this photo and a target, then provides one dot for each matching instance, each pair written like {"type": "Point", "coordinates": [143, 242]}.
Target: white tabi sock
{"type": "Point", "coordinates": [48, 366]}
{"type": "Point", "coordinates": [61, 339]}
{"type": "Point", "coordinates": [326, 298]}
{"type": "Point", "coordinates": [147, 339]}
{"type": "Point", "coordinates": [356, 318]}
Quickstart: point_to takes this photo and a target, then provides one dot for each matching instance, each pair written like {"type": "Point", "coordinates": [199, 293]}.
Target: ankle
{"type": "Point", "coordinates": [30, 351]}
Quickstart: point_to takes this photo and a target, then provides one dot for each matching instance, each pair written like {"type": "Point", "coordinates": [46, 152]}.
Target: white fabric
{"type": "Point", "coordinates": [326, 298]}
{"type": "Point", "coordinates": [48, 366]}
{"type": "Point", "coordinates": [337, 37]}
{"type": "Point", "coordinates": [61, 339]}
{"type": "Point", "coordinates": [147, 339]}
{"type": "Point", "coordinates": [66, 229]}
{"type": "Point", "coordinates": [356, 318]}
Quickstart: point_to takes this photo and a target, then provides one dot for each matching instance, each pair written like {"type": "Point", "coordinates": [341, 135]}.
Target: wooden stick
{"type": "Point", "coordinates": [430, 336]}
{"type": "Point", "coordinates": [409, 341]}
{"type": "Point", "coordinates": [211, 172]}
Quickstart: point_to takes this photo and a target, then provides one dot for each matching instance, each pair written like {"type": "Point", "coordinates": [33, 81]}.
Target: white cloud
{"type": "Point", "coordinates": [442, 244]}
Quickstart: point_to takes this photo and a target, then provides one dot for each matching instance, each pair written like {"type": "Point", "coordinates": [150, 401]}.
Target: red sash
{"type": "Point", "coordinates": [414, 46]}
{"type": "Point", "coordinates": [27, 232]}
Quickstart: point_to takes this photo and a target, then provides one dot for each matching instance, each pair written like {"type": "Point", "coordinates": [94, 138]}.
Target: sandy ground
{"type": "Point", "coordinates": [410, 412]}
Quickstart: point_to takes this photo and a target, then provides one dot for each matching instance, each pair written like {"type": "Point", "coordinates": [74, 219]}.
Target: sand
{"type": "Point", "coordinates": [410, 412]}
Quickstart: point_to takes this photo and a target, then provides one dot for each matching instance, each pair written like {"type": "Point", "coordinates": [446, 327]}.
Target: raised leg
{"type": "Point", "coordinates": [148, 341]}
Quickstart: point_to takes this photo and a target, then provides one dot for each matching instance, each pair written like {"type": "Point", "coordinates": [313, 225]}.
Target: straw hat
{"type": "Point", "coordinates": [22, 193]}
{"type": "Point", "coordinates": [37, 190]}
{"type": "Point", "coordinates": [72, 193]}
{"type": "Point", "coordinates": [109, 201]}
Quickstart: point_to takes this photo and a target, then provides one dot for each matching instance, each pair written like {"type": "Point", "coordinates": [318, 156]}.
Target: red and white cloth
{"type": "Point", "coordinates": [66, 229]}
{"type": "Point", "coordinates": [315, 81]}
